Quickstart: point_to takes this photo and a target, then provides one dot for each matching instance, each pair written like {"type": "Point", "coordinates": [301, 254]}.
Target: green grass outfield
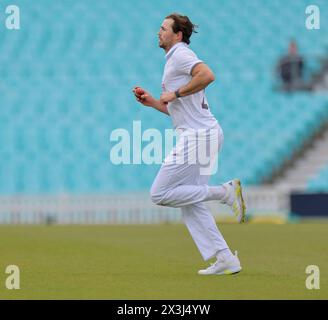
{"type": "Point", "coordinates": [160, 262]}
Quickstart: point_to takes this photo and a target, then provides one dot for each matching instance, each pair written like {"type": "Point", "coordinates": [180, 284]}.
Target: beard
{"type": "Point", "coordinates": [161, 44]}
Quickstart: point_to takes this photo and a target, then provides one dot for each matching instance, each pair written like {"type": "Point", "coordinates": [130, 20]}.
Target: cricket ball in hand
{"type": "Point", "coordinates": [139, 91]}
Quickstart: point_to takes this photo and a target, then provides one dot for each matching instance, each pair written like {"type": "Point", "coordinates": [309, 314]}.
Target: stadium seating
{"type": "Point", "coordinates": [319, 183]}
{"type": "Point", "coordinates": [67, 75]}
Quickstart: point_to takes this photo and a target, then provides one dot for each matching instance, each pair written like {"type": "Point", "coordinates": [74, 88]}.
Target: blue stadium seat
{"type": "Point", "coordinates": [319, 183]}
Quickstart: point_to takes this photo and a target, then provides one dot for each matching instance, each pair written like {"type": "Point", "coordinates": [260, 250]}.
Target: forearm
{"type": "Point", "coordinates": [197, 83]}
{"type": "Point", "coordinates": [201, 77]}
{"type": "Point", "coordinates": [162, 107]}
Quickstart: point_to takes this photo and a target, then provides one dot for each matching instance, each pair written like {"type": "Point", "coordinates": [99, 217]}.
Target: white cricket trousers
{"type": "Point", "coordinates": [182, 182]}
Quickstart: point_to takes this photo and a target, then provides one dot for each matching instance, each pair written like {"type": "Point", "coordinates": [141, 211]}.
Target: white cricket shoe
{"type": "Point", "coordinates": [234, 199]}
{"type": "Point", "coordinates": [221, 267]}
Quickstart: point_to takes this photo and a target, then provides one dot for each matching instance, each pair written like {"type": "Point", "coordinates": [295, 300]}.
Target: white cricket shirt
{"type": "Point", "coordinates": [192, 111]}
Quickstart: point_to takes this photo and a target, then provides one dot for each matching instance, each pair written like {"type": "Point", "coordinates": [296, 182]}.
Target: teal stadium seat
{"type": "Point", "coordinates": [319, 183]}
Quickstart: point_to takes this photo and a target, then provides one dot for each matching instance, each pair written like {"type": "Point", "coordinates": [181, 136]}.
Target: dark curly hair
{"type": "Point", "coordinates": [183, 24]}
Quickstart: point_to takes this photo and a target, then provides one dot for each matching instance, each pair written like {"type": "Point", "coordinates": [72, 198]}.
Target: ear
{"type": "Point", "coordinates": [180, 35]}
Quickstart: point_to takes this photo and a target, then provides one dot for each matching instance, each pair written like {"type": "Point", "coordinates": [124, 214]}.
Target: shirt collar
{"type": "Point", "coordinates": [177, 45]}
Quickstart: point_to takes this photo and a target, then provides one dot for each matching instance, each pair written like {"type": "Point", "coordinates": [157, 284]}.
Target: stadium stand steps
{"type": "Point", "coordinates": [306, 167]}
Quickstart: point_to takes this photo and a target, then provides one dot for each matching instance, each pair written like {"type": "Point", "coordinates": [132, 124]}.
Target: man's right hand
{"type": "Point", "coordinates": [145, 99]}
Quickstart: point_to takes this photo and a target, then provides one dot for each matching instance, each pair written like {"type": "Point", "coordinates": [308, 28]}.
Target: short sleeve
{"type": "Point", "coordinates": [185, 61]}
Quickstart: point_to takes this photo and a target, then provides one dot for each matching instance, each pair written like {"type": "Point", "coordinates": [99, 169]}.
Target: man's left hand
{"type": "Point", "coordinates": [167, 97]}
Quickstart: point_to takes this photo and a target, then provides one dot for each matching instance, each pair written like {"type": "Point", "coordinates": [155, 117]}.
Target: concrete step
{"type": "Point", "coordinates": [306, 167]}
{"type": "Point", "coordinates": [303, 170]}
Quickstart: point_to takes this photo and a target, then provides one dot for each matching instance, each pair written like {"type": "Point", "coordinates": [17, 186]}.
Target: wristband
{"type": "Point", "coordinates": [177, 94]}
